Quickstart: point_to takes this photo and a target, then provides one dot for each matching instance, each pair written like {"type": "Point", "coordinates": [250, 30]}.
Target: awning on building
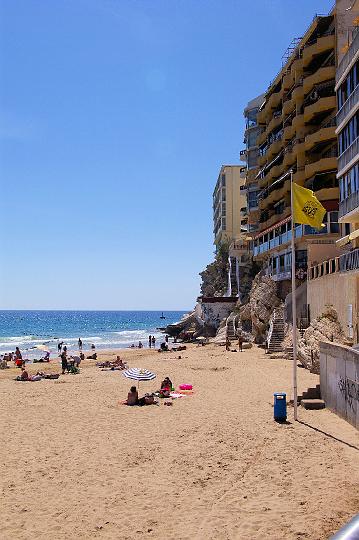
{"type": "Point", "coordinates": [266, 231]}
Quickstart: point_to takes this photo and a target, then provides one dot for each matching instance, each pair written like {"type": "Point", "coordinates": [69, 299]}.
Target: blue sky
{"type": "Point", "coordinates": [115, 119]}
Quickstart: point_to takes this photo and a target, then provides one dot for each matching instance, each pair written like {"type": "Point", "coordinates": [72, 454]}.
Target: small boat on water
{"type": "Point", "coordinates": [162, 316]}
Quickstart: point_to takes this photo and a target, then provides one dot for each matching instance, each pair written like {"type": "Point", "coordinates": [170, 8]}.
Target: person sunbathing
{"type": "Point", "coordinates": [147, 399]}
{"type": "Point", "coordinates": [166, 383]}
{"type": "Point", "coordinates": [132, 397]}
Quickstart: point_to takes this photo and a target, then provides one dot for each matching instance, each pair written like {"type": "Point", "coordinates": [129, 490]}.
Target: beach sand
{"type": "Point", "coordinates": [215, 465]}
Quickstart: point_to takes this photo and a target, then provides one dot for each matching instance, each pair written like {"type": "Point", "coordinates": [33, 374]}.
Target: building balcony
{"type": "Point", "coordinates": [261, 138]}
{"type": "Point", "coordinates": [322, 74]}
{"type": "Point", "coordinates": [289, 156]}
{"type": "Point", "coordinates": [288, 133]}
{"type": "Point", "coordinates": [261, 117]}
{"type": "Point", "coordinates": [324, 104]}
{"type": "Point", "coordinates": [275, 122]}
{"type": "Point", "coordinates": [299, 176]}
{"type": "Point", "coordinates": [243, 155]}
{"type": "Point", "coordinates": [319, 166]}
{"type": "Point", "coordinates": [345, 159]}
{"type": "Point", "coordinates": [275, 172]}
{"type": "Point", "coordinates": [274, 149]}
{"type": "Point", "coordinates": [348, 106]}
{"type": "Point", "coordinates": [298, 122]}
{"type": "Point", "coordinates": [297, 68]}
{"type": "Point", "coordinates": [298, 93]}
{"type": "Point", "coordinates": [324, 43]}
{"type": "Point", "coordinates": [288, 81]}
{"type": "Point", "coordinates": [327, 194]}
{"type": "Point", "coordinates": [349, 209]}
{"type": "Point", "coordinates": [288, 106]}
{"type": "Point", "coordinates": [273, 101]}
{"type": "Point", "coordinates": [322, 135]}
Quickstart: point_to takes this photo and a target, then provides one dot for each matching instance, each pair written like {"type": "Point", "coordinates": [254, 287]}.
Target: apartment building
{"type": "Point", "coordinates": [251, 155]}
{"type": "Point", "coordinates": [230, 221]}
{"type": "Point", "coordinates": [336, 280]}
{"type": "Point", "coordinates": [297, 119]}
{"type": "Point", "coordinates": [229, 205]}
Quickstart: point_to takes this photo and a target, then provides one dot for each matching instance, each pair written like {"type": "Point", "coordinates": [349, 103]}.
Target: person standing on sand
{"type": "Point", "coordinates": [80, 344]}
{"type": "Point", "coordinates": [150, 341]}
{"type": "Point", "coordinates": [166, 338]}
{"type": "Point", "coordinates": [64, 361]}
{"type": "Point", "coordinates": [65, 349]}
{"type": "Point", "coordinates": [228, 344]}
{"type": "Point", "coordinates": [59, 347]}
{"type": "Point", "coordinates": [240, 343]}
{"type": "Point", "coordinates": [153, 341]}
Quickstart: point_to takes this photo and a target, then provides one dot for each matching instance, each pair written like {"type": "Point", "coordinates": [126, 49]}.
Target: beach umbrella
{"type": "Point", "coordinates": [138, 374]}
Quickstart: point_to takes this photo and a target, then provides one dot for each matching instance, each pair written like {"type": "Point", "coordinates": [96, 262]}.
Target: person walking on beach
{"type": "Point", "coordinates": [65, 349]}
{"type": "Point", "coordinates": [228, 344]}
{"type": "Point", "coordinates": [166, 338]}
{"type": "Point", "coordinates": [59, 347]}
{"type": "Point", "coordinates": [64, 361]}
{"type": "Point", "coordinates": [150, 341]}
{"type": "Point", "coordinates": [153, 341]}
{"type": "Point", "coordinates": [80, 344]}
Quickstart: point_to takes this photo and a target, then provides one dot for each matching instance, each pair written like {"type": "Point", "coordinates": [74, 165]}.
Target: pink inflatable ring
{"type": "Point", "coordinates": [185, 387]}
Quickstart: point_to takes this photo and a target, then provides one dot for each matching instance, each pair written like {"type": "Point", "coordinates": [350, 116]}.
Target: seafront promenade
{"type": "Point", "coordinates": [214, 465]}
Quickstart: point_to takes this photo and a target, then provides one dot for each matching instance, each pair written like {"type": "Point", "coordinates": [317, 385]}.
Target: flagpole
{"type": "Point", "coordinates": [294, 307]}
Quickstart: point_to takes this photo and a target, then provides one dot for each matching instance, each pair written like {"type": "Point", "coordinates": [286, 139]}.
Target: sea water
{"type": "Point", "coordinates": [104, 329]}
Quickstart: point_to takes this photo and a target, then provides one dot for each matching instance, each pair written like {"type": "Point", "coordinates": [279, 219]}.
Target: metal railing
{"type": "Point", "coordinates": [348, 155]}
{"type": "Point", "coordinates": [349, 204]}
{"type": "Point", "coordinates": [350, 103]}
{"type": "Point", "coordinates": [348, 57]}
{"type": "Point", "coordinates": [349, 261]}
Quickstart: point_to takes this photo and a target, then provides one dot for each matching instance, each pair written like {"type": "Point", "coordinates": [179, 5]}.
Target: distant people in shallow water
{"type": "Point", "coordinates": [153, 341]}
{"type": "Point", "coordinates": [80, 344]}
{"type": "Point", "coordinates": [150, 341]}
{"type": "Point", "coordinates": [140, 345]}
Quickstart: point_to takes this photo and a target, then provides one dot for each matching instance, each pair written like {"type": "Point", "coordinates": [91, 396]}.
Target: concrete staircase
{"type": "Point", "coordinates": [275, 341]}
{"type": "Point", "coordinates": [231, 328]}
{"type": "Point", "coordinates": [311, 399]}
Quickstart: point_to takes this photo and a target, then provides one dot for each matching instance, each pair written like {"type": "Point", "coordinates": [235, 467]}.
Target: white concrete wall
{"type": "Point", "coordinates": [339, 380]}
{"type": "Point", "coordinates": [214, 312]}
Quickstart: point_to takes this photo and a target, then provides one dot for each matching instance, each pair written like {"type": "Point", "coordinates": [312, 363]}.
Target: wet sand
{"type": "Point", "coordinates": [215, 465]}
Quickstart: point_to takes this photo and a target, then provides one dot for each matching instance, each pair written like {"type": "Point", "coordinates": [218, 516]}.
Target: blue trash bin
{"type": "Point", "coordinates": [280, 406]}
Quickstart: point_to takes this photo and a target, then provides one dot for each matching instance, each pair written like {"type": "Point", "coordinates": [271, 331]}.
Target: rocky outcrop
{"type": "Point", "coordinates": [215, 276]}
{"type": "Point", "coordinates": [324, 328]}
{"type": "Point", "coordinates": [190, 323]}
{"type": "Point", "coordinates": [255, 315]}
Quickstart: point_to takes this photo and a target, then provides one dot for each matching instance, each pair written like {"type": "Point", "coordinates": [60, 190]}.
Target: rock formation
{"type": "Point", "coordinates": [215, 276]}
{"type": "Point", "coordinates": [255, 315]}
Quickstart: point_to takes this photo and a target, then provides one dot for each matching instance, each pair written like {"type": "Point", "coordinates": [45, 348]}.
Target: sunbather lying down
{"type": "Point", "coordinates": [116, 364]}
{"type": "Point", "coordinates": [39, 375]}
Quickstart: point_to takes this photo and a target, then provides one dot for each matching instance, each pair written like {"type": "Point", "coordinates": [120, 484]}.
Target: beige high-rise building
{"type": "Point", "coordinates": [229, 205]}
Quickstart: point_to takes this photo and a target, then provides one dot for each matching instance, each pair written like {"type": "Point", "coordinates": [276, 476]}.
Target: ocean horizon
{"type": "Point", "coordinates": [106, 329]}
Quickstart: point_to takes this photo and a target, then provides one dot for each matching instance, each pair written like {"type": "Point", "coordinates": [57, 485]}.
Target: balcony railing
{"type": "Point", "coordinates": [349, 204]}
{"type": "Point", "coordinates": [349, 261]}
{"type": "Point", "coordinates": [350, 103]}
{"type": "Point", "coordinates": [348, 57]}
{"type": "Point", "coordinates": [348, 155]}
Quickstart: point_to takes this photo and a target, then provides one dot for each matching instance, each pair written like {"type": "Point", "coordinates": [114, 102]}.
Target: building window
{"type": "Point", "coordinates": [349, 85]}
{"type": "Point", "coordinates": [349, 133]}
{"type": "Point", "coordinates": [349, 183]}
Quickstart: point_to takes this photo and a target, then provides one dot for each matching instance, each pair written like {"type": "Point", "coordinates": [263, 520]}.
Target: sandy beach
{"type": "Point", "coordinates": [215, 465]}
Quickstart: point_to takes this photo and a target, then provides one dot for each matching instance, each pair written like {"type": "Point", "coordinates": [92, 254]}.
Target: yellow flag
{"type": "Point", "coordinates": [306, 207]}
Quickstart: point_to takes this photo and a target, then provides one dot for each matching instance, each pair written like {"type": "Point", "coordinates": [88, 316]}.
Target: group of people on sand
{"type": "Point", "coordinates": [240, 343]}
{"type": "Point", "coordinates": [117, 364]}
{"type": "Point", "coordinates": [72, 363]}
{"type": "Point", "coordinates": [149, 399]}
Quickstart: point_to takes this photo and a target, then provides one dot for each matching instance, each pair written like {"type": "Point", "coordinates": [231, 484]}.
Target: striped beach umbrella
{"type": "Point", "coordinates": [138, 374]}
